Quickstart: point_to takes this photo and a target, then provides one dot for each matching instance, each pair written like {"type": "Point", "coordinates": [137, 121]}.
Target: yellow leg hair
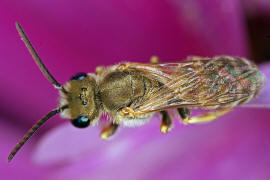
{"type": "Point", "coordinates": [207, 117]}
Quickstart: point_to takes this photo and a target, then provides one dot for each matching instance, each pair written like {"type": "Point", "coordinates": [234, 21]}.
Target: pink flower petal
{"type": "Point", "coordinates": [21, 167]}
{"type": "Point", "coordinates": [234, 147]}
{"type": "Point", "coordinates": [77, 36]}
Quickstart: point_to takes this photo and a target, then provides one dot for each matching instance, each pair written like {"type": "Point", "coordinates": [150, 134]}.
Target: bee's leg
{"type": "Point", "coordinates": [166, 122]}
{"type": "Point", "coordinates": [99, 69]}
{"type": "Point", "coordinates": [109, 131]}
{"type": "Point", "coordinates": [207, 117]}
{"type": "Point", "coordinates": [154, 60]}
{"type": "Point", "coordinates": [184, 114]}
{"type": "Point", "coordinates": [196, 58]}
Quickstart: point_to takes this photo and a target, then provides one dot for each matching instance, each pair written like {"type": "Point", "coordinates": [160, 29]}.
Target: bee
{"type": "Point", "coordinates": [132, 92]}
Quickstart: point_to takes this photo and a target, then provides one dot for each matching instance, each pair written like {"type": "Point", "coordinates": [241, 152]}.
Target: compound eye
{"type": "Point", "coordinates": [79, 76]}
{"type": "Point", "coordinates": [81, 122]}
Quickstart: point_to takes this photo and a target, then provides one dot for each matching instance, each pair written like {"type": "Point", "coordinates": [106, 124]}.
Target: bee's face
{"type": "Point", "coordinates": [81, 98]}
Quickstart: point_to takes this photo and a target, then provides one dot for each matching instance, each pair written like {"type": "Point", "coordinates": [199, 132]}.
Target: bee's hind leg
{"type": "Point", "coordinates": [109, 131]}
{"type": "Point", "coordinates": [184, 114]}
{"type": "Point", "coordinates": [207, 117]}
{"type": "Point", "coordinates": [166, 122]}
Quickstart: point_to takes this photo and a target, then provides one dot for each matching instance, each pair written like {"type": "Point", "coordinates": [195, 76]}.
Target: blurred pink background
{"type": "Point", "coordinates": [73, 37]}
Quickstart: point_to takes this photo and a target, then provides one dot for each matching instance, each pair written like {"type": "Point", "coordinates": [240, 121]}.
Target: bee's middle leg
{"type": "Point", "coordinates": [109, 131]}
{"type": "Point", "coordinates": [166, 122]}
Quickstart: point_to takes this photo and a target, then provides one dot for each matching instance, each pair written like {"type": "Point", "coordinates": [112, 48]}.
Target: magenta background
{"type": "Point", "coordinates": [73, 36]}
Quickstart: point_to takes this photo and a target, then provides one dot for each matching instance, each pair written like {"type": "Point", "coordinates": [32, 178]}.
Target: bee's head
{"type": "Point", "coordinates": [81, 96]}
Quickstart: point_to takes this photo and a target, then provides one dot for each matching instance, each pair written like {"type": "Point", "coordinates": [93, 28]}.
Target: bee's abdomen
{"type": "Point", "coordinates": [223, 81]}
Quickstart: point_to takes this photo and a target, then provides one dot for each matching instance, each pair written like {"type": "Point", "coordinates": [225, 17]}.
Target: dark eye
{"type": "Point", "coordinates": [81, 122]}
{"type": "Point", "coordinates": [79, 76]}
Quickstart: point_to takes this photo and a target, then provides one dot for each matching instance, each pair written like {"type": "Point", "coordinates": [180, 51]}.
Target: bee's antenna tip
{"type": "Point", "coordinates": [10, 157]}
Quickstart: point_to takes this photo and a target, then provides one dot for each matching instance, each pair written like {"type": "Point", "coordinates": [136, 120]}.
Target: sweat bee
{"type": "Point", "coordinates": [132, 92]}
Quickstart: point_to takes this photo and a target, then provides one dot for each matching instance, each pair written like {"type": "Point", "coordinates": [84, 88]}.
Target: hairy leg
{"type": "Point", "coordinates": [109, 131]}
{"type": "Point", "coordinates": [184, 114]}
{"type": "Point", "coordinates": [166, 122]}
{"type": "Point", "coordinates": [207, 117]}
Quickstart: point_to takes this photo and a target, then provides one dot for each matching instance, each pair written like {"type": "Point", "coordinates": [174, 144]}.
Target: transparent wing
{"type": "Point", "coordinates": [261, 101]}
{"type": "Point", "coordinates": [263, 98]}
{"type": "Point", "coordinates": [200, 82]}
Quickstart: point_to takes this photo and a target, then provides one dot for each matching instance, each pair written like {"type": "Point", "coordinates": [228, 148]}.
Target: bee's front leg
{"type": "Point", "coordinates": [166, 122]}
{"type": "Point", "coordinates": [109, 131]}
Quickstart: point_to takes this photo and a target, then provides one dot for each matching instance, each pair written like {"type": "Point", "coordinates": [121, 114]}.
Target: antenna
{"type": "Point", "coordinates": [37, 59]}
{"type": "Point", "coordinates": [34, 128]}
